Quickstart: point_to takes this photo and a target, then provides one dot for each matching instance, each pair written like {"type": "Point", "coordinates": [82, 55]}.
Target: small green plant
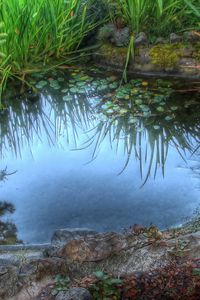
{"type": "Point", "coordinates": [61, 284]}
{"type": "Point", "coordinates": [106, 287]}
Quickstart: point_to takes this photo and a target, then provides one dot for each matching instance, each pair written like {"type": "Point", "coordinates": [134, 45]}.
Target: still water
{"type": "Point", "coordinates": [79, 167]}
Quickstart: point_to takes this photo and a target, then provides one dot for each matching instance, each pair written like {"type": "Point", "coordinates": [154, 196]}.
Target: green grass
{"type": "Point", "coordinates": [156, 18]}
{"type": "Point", "coordinates": [39, 33]}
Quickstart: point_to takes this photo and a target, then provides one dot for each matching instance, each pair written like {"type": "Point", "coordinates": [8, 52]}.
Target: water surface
{"type": "Point", "coordinates": [78, 166]}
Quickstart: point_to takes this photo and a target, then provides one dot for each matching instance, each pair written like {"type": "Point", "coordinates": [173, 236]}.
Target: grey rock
{"type": "Point", "coordinates": [144, 57]}
{"type": "Point", "coordinates": [97, 247]}
{"type": "Point", "coordinates": [63, 236]}
{"type": "Point", "coordinates": [74, 294]}
{"type": "Point", "coordinates": [175, 38]}
{"type": "Point", "coordinates": [9, 285]}
{"type": "Point", "coordinates": [188, 52]}
{"type": "Point", "coordinates": [190, 36]}
{"type": "Point", "coordinates": [106, 32]}
{"type": "Point", "coordinates": [121, 37]}
{"type": "Point", "coordinates": [141, 39]}
{"type": "Point", "coordinates": [161, 40]}
{"type": "Point", "coordinates": [187, 62]}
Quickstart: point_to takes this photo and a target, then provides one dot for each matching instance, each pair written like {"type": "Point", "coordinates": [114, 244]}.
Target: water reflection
{"type": "Point", "coordinates": [58, 189]}
{"type": "Point", "coordinates": [50, 118]}
{"type": "Point", "coordinates": [8, 230]}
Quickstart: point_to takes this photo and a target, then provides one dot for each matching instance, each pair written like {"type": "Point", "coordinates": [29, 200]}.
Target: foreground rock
{"type": "Point", "coordinates": [80, 252]}
{"type": "Point", "coordinates": [74, 294]}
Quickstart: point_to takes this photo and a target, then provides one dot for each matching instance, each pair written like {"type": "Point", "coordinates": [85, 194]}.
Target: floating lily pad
{"type": "Point", "coordinates": [168, 118]}
{"type": "Point", "coordinates": [68, 98]}
{"type": "Point", "coordinates": [61, 79]}
{"type": "Point", "coordinates": [74, 90]}
{"type": "Point", "coordinates": [174, 108]}
{"type": "Point", "coordinates": [123, 111]}
{"type": "Point", "coordinates": [41, 84]}
{"type": "Point", "coordinates": [160, 108]}
{"type": "Point", "coordinates": [64, 90]}
{"type": "Point", "coordinates": [138, 101]}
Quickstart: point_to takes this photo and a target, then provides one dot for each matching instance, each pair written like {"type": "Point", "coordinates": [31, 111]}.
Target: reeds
{"type": "Point", "coordinates": [39, 33]}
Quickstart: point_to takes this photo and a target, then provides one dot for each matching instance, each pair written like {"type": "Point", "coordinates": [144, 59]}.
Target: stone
{"type": "Point", "coordinates": [106, 32]}
{"type": "Point", "coordinates": [188, 51]}
{"type": "Point", "coordinates": [191, 36]}
{"type": "Point", "coordinates": [63, 236]}
{"type": "Point", "coordinates": [141, 39]}
{"type": "Point", "coordinates": [9, 284]}
{"type": "Point", "coordinates": [96, 247]}
{"type": "Point", "coordinates": [161, 40]}
{"type": "Point", "coordinates": [144, 56]}
{"type": "Point", "coordinates": [175, 38]}
{"type": "Point", "coordinates": [121, 37]}
{"type": "Point", "coordinates": [74, 294]}
{"type": "Point", "coordinates": [188, 66]}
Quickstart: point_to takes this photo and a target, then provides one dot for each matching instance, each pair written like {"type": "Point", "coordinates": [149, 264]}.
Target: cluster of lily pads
{"type": "Point", "coordinates": [137, 99]}
{"type": "Point", "coordinates": [78, 83]}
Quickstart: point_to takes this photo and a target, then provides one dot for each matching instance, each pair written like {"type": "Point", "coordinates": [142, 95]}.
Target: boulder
{"type": "Point", "coordinates": [160, 40]}
{"type": "Point", "coordinates": [191, 37]}
{"type": "Point", "coordinates": [63, 236]}
{"type": "Point", "coordinates": [175, 38]}
{"type": "Point", "coordinates": [121, 37]}
{"type": "Point", "coordinates": [141, 39]}
{"type": "Point", "coordinates": [93, 248]}
{"type": "Point", "coordinates": [74, 294]}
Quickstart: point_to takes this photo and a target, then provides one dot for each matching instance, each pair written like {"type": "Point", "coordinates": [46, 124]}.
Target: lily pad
{"type": "Point", "coordinates": [160, 108]}
{"type": "Point", "coordinates": [174, 108]}
{"type": "Point", "coordinates": [68, 98]}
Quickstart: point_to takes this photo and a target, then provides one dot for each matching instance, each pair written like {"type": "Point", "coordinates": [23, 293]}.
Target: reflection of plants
{"type": "Point", "coordinates": [6, 207]}
{"type": "Point", "coordinates": [106, 287]}
{"type": "Point", "coordinates": [4, 174]}
{"type": "Point", "coordinates": [8, 231]}
{"type": "Point", "coordinates": [147, 137]}
{"type": "Point", "coordinates": [35, 115]}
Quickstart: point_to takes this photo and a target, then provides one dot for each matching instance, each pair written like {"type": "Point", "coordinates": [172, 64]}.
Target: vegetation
{"type": "Point", "coordinates": [165, 17]}
{"type": "Point", "coordinates": [36, 35]}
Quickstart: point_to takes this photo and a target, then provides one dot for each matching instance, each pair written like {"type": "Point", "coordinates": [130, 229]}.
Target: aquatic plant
{"type": "Point", "coordinates": [40, 34]}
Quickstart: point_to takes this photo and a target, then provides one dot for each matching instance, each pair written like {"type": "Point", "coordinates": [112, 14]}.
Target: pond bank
{"type": "Point", "coordinates": [76, 253]}
{"type": "Point", "coordinates": [176, 56]}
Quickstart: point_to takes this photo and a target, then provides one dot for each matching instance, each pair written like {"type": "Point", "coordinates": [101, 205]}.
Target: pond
{"type": "Point", "coordinates": [88, 153]}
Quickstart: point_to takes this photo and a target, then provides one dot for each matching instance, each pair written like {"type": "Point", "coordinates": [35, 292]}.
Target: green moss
{"type": "Point", "coordinates": [115, 55]}
{"type": "Point", "coordinates": [166, 56]}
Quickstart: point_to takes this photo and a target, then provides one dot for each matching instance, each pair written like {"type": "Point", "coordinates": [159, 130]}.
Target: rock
{"type": "Point", "coordinates": [97, 247]}
{"type": "Point", "coordinates": [106, 32]}
{"type": "Point", "coordinates": [188, 52]}
{"type": "Point", "coordinates": [63, 236]}
{"type": "Point", "coordinates": [74, 294]}
{"type": "Point", "coordinates": [175, 38]}
{"type": "Point", "coordinates": [121, 37]}
{"type": "Point", "coordinates": [160, 40]}
{"type": "Point", "coordinates": [141, 39]}
{"type": "Point", "coordinates": [9, 284]}
{"type": "Point", "coordinates": [187, 66]}
{"type": "Point", "coordinates": [191, 36]}
{"type": "Point", "coordinates": [117, 36]}
{"type": "Point", "coordinates": [144, 56]}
